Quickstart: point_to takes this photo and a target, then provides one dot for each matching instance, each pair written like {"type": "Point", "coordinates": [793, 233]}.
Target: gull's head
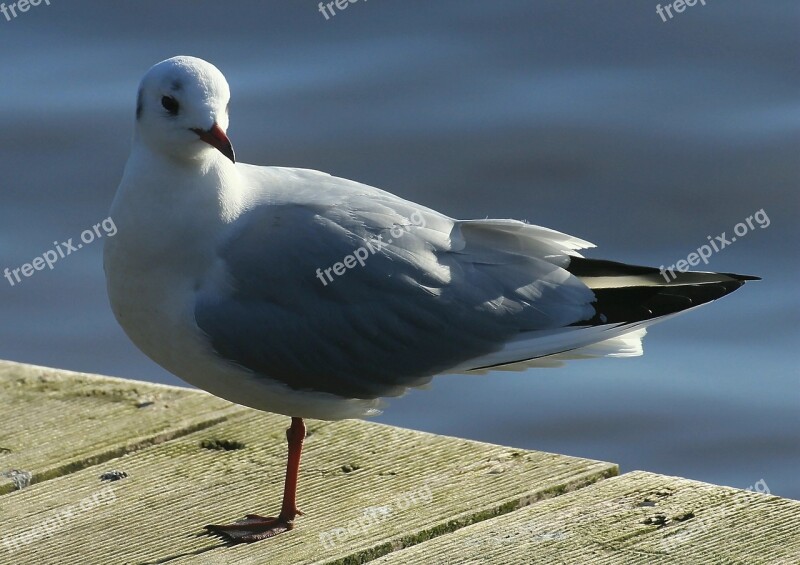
{"type": "Point", "coordinates": [182, 110]}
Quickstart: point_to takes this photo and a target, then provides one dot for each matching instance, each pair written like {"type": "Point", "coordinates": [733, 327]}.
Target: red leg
{"type": "Point", "coordinates": [255, 527]}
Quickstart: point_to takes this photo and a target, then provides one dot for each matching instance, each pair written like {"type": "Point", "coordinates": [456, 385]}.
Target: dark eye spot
{"type": "Point", "coordinates": [170, 105]}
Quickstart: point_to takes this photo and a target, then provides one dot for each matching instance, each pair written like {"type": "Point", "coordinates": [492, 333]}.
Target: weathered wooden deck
{"type": "Point", "coordinates": [369, 492]}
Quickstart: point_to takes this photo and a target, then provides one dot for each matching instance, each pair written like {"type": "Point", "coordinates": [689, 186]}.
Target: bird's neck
{"type": "Point", "coordinates": [210, 186]}
{"type": "Point", "coordinates": [162, 205]}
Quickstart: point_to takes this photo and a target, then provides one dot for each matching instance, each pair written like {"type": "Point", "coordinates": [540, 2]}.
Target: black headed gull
{"type": "Point", "coordinates": [296, 292]}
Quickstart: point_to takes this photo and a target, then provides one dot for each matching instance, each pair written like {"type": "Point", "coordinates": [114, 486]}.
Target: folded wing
{"type": "Point", "coordinates": [432, 293]}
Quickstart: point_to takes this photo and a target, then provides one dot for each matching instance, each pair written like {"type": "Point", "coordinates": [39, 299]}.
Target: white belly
{"type": "Point", "coordinates": [164, 253]}
{"type": "Point", "coordinates": [153, 300]}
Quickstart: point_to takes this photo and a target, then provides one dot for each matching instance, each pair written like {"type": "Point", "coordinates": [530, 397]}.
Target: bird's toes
{"type": "Point", "coordinates": [253, 528]}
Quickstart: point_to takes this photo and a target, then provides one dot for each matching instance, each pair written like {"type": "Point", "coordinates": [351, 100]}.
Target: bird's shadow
{"type": "Point", "coordinates": [222, 543]}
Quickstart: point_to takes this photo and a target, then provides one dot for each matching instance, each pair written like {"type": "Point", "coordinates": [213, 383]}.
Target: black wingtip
{"type": "Point", "coordinates": [585, 267]}
{"type": "Point", "coordinates": [643, 293]}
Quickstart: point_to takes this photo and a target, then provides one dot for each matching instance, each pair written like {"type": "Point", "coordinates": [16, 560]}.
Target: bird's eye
{"type": "Point", "coordinates": [170, 105]}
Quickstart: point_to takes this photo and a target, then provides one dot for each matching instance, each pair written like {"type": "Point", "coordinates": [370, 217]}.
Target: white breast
{"type": "Point", "coordinates": [164, 252]}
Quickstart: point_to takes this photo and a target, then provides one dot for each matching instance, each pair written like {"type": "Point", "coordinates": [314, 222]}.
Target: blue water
{"type": "Point", "coordinates": [597, 119]}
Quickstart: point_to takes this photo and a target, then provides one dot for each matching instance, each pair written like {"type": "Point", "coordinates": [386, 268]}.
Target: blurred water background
{"type": "Point", "coordinates": [594, 118]}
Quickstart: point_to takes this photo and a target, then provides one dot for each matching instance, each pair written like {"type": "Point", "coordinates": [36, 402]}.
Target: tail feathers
{"type": "Point", "coordinates": [594, 268]}
{"type": "Point", "coordinates": [631, 293]}
{"type": "Point", "coordinates": [626, 345]}
{"type": "Point", "coordinates": [628, 299]}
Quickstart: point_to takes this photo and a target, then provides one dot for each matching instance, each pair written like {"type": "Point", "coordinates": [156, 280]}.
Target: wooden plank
{"type": "Point", "coordinates": [634, 518]}
{"type": "Point", "coordinates": [366, 489]}
{"type": "Point", "coordinates": [54, 422]}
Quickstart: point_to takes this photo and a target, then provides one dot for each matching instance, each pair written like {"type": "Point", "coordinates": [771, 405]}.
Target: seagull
{"type": "Point", "coordinates": [297, 292]}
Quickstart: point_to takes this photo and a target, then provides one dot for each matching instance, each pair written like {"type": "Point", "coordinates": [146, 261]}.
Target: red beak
{"type": "Point", "coordinates": [215, 137]}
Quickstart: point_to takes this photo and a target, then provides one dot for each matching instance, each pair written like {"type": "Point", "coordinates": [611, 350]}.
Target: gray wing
{"type": "Point", "coordinates": [429, 294]}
